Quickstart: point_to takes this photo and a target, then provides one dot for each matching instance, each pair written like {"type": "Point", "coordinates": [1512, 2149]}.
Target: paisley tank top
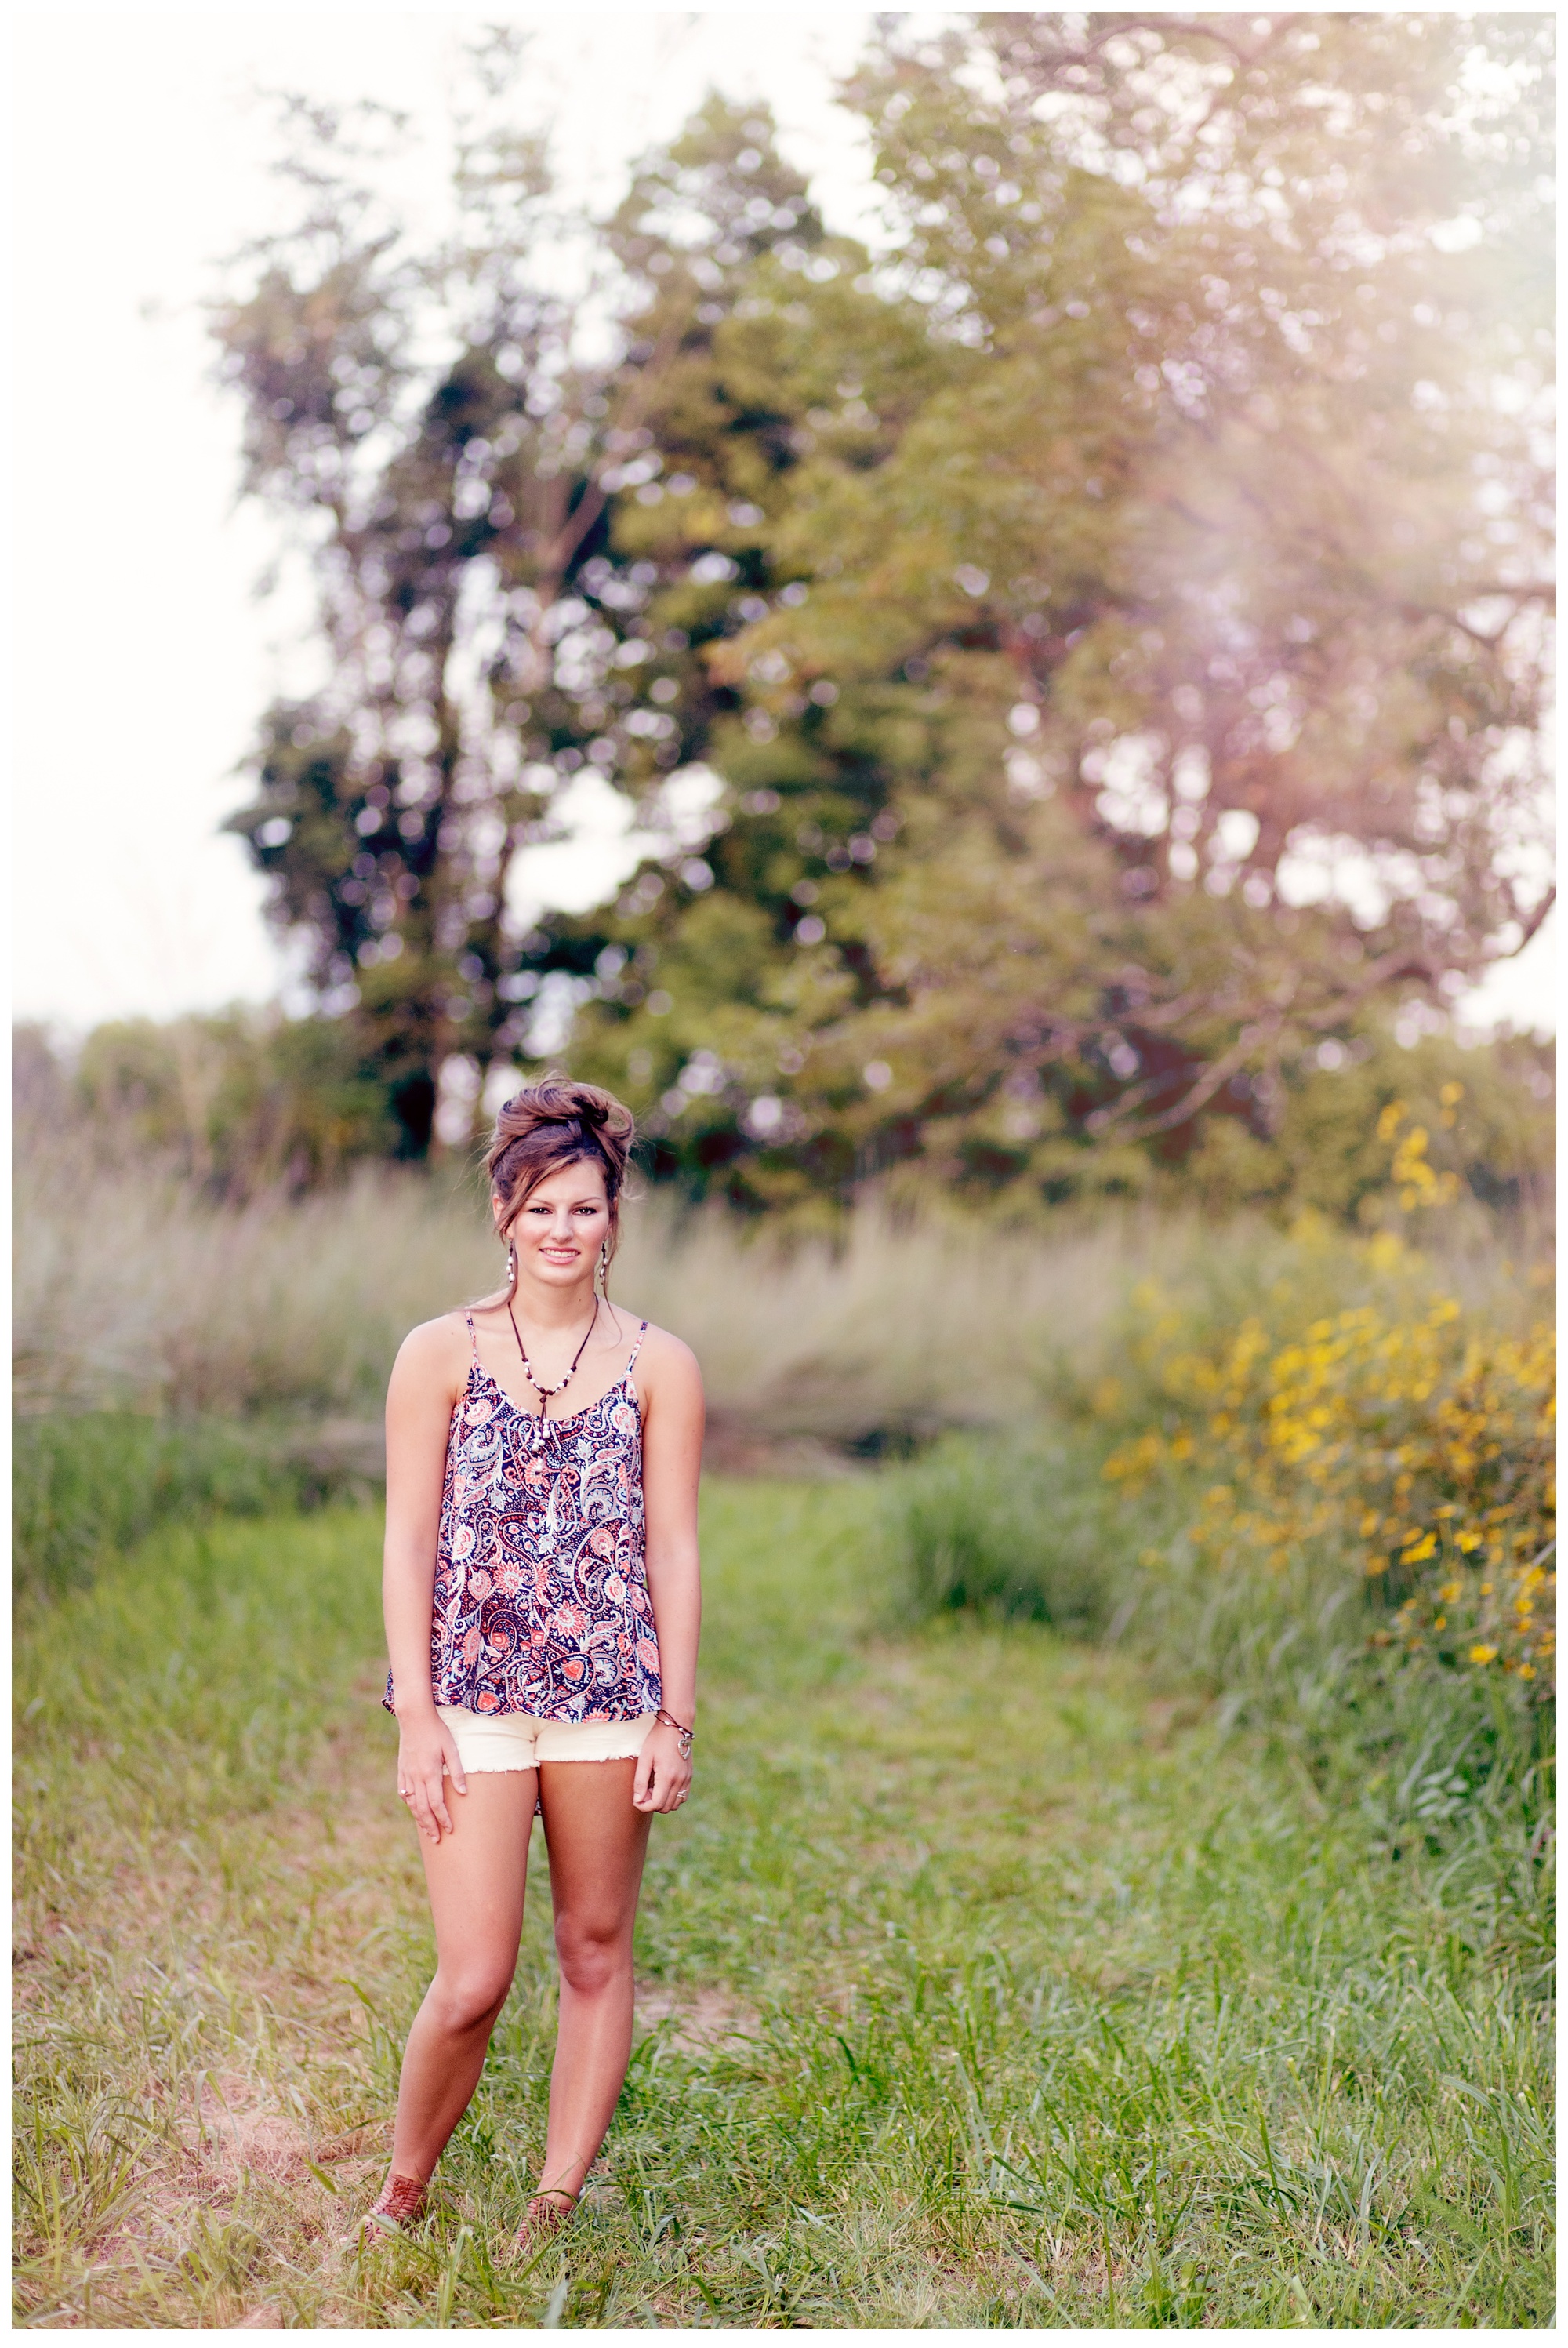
{"type": "Point", "coordinates": [540, 1603]}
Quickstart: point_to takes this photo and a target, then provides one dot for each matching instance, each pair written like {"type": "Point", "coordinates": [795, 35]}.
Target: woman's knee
{"type": "Point", "coordinates": [465, 1996]}
{"type": "Point", "coordinates": [591, 1955]}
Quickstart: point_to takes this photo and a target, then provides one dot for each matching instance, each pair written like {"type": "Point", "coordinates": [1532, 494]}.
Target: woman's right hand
{"type": "Point", "coordinates": [426, 1753]}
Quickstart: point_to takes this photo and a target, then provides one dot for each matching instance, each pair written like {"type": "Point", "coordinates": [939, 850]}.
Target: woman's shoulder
{"type": "Point", "coordinates": [438, 1344]}
{"type": "Point", "coordinates": [430, 1371]}
{"type": "Point", "coordinates": [657, 1350]}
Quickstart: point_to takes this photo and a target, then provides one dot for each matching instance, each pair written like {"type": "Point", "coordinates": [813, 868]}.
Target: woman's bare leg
{"type": "Point", "coordinates": [476, 1876]}
{"type": "Point", "coordinates": [597, 1841]}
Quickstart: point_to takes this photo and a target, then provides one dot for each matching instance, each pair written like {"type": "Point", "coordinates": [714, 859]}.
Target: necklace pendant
{"type": "Point", "coordinates": [547, 1394]}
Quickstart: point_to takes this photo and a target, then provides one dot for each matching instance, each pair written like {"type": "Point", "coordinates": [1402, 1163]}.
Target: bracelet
{"type": "Point", "coordinates": [686, 1736]}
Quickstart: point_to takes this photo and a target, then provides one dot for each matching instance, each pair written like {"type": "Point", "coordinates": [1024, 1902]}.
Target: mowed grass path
{"type": "Point", "coordinates": [984, 1985]}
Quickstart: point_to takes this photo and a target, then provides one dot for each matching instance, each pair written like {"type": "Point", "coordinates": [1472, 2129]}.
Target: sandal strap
{"type": "Point", "coordinates": [400, 2198]}
{"type": "Point", "coordinates": [545, 2210]}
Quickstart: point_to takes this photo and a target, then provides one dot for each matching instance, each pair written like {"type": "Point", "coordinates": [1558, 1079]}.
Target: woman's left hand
{"type": "Point", "coordinates": [663, 1779]}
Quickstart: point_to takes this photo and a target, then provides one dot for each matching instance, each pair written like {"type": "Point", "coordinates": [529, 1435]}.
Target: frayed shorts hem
{"type": "Point", "coordinates": [516, 1740]}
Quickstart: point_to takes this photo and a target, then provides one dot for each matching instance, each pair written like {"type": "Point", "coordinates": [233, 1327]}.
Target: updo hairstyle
{"type": "Point", "coordinates": [553, 1124]}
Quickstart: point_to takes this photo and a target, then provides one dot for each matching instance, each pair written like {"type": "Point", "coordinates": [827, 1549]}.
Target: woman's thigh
{"type": "Point", "coordinates": [479, 1873]}
{"type": "Point", "coordinates": [597, 1839]}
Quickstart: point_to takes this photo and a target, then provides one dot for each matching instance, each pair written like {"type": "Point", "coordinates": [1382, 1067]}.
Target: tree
{"type": "Point", "coordinates": [1204, 523]}
{"type": "Point", "coordinates": [237, 1102]}
{"type": "Point", "coordinates": [427, 419]}
{"type": "Point", "coordinates": [1099, 649]}
{"type": "Point", "coordinates": [788, 347]}
{"type": "Point", "coordinates": [528, 565]}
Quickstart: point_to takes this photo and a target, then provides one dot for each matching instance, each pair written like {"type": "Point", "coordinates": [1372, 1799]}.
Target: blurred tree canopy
{"type": "Point", "coordinates": [239, 1102]}
{"type": "Point", "coordinates": [245, 1103]}
{"type": "Point", "coordinates": [1078, 670]}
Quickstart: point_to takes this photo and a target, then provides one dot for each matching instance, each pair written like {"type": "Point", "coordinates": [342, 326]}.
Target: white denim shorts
{"type": "Point", "coordinates": [516, 1740]}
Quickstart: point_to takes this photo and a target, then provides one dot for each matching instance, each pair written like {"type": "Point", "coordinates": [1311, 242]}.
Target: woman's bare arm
{"type": "Point", "coordinates": [426, 1379]}
{"type": "Point", "coordinates": [672, 1412]}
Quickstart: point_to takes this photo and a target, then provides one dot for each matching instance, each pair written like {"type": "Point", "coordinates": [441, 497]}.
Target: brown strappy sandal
{"type": "Point", "coordinates": [401, 2202]}
{"type": "Point", "coordinates": [544, 2216]}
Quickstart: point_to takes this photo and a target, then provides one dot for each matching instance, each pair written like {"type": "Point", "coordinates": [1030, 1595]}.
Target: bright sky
{"type": "Point", "coordinates": [142, 655]}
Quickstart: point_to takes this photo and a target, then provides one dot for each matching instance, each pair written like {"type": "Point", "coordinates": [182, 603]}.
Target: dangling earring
{"type": "Point", "coordinates": [511, 1266]}
{"type": "Point", "coordinates": [604, 1263]}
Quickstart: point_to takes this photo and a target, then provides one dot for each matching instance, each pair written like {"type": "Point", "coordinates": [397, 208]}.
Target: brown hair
{"type": "Point", "coordinates": [552, 1124]}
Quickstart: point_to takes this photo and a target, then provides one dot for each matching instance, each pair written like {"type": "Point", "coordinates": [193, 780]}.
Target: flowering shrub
{"type": "Point", "coordinates": [1416, 1180]}
{"type": "Point", "coordinates": [1409, 1437]}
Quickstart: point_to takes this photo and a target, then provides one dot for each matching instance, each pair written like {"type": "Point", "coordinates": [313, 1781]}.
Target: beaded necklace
{"type": "Point", "coordinates": [547, 1394]}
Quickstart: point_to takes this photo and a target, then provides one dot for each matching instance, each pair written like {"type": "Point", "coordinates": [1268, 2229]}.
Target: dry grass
{"type": "Point", "coordinates": [132, 1292]}
{"type": "Point", "coordinates": [138, 1294]}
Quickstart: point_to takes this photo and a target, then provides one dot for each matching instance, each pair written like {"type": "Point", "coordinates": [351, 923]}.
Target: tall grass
{"type": "Point", "coordinates": [138, 1294]}
{"type": "Point", "coordinates": [87, 1486]}
{"type": "Point", "coordinates": [173, 1356]}
{"type": "Point", "coordinates": [1311, 1414]}
{"type": "Point", "coordinates": [132, 1291]}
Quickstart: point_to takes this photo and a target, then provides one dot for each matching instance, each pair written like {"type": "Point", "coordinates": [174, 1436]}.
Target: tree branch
{"type": "Point", "coordinates": [1530, 928]}
{"type": "Point", "coordinates": [596, 496]}
{"type": "Point", "coordinates": [1218, 1072]}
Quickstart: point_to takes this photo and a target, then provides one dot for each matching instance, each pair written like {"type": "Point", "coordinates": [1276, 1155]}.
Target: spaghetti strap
{"type": "Point", "coordinates": [472, 1338]}
{"type": "Point", "coordinates": [642, 1332]}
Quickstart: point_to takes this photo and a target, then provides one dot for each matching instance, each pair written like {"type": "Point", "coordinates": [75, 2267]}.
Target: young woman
{"type": "Point", "coordinates": [542, 1603]}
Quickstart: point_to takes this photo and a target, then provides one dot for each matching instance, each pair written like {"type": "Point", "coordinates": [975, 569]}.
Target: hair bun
{"type": "Point", "coordinates": [552, 1101]}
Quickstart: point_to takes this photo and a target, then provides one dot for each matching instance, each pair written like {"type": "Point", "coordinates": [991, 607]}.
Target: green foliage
{"type": "Point", "coordinates": [1081, 672]}
{"type": "Point", "coordinates": [1019, 1531]}
{"type": "Point", "coordinates": [244, 1104]}
{"type": "Point", "coordinates": [1289, 1472]}
{"type": "Point", "coordinates": [240, 1101]}
{"type": "Point", "coordinates": [90, 1486]}
{"type": "Point", "coordinates": [1027, 1532]}
{"type": "Point", "coordinates": [1100, 928]}
{"type": "Point", "coordinates": [133, 1290]}
{"type": "Point", "coordinates": [1489, 1114]}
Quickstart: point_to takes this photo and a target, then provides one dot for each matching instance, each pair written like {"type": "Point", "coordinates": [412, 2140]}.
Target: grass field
{"type": "Point", "coordinates": [988, 1981]}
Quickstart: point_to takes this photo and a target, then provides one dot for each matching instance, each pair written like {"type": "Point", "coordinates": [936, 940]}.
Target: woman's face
{"type": "Point", "coordinates": [560, 1227]}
